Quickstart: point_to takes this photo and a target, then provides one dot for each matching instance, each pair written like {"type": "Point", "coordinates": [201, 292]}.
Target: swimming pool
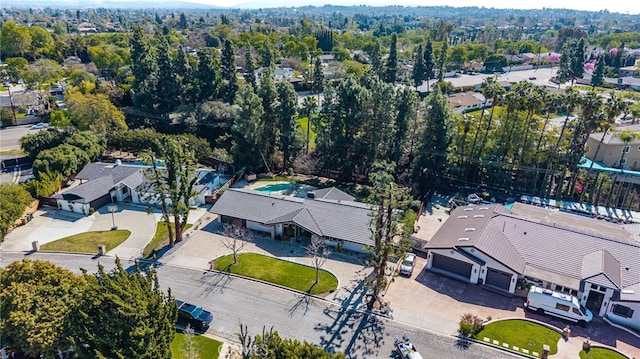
{"type": "Point", "coordinates": [274, 187]}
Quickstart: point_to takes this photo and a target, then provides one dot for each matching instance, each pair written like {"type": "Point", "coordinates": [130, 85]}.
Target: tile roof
{"type": "Point", "coordinates": [344, 220]}
{"type": "Point", "coordinates": [87, 192]}
{"type": "Point", "coordinates": [560, 251]}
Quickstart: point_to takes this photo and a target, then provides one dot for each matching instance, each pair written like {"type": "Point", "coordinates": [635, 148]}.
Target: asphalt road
{"type": "Point", "coordinates": [335, 328]}
{"type": "Point", "coordinates": [10, 136]}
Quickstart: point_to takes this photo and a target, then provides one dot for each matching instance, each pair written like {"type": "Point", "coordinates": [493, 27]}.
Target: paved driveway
{"type": "Point", "coordinates": [431, 301]}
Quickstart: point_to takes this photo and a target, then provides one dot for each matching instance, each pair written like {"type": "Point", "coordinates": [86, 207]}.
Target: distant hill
{"type": "Point", "coordinates": [113, 4]}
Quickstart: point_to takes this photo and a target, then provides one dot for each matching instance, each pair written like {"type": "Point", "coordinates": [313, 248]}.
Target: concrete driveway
{"type": "Point", "coordinates": [432, 301]}
{"type": "Point", "coordinates": [50, 224]}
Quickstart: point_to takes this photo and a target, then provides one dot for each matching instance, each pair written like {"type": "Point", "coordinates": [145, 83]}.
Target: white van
{"type": "Point", "coordinates": [561, 305]}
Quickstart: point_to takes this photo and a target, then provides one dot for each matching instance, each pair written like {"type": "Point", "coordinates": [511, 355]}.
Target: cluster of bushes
{"type": "Point", "coordinates": [470, 325]}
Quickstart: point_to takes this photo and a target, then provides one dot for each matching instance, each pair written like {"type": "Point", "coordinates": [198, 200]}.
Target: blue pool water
{"type": "Point", "coordinates": [273, 187]}
{"type": "Point", "coordinates": [508, 206]}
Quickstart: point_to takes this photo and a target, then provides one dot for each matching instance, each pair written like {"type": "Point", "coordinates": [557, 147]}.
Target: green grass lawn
{"type": "Point", "coordinates": [284, 273]}
{"type": "Point", "coordinates": [521, 333]}
{"type": "Point", "coordinates": [88, 242]}
{"type": "Point", "coordinates": [303, 122]}
{"type": "Point", "coordinates": [160, 238]}
{"type": "Point", "coordinates": [601, 353]}
{"type": "Point", "coordinates": [206, 347]}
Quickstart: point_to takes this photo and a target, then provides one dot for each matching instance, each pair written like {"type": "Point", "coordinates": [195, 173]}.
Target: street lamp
{"type": "Point", "coordinates": [113, 209]}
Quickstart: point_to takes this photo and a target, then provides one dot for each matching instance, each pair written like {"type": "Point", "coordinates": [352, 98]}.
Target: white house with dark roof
{"type": "Point", "coordinates": [494, 246]}
{"type": "Point", "coordinates": [328, 213]}
{"type": "Point", "coordinates": [103, 183]}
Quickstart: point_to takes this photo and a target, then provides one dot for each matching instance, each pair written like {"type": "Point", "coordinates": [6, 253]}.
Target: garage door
{"type": "Point", "coordinates": [498, 279]}
{"type": "Point", "coordinates": [452, 265]}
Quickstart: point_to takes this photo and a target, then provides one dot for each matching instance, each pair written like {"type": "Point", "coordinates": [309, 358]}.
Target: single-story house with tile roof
{"type": "Point", "coordinates": [103, 183]}
{"type": "Point", "coordinates": [329, 213]}
{"type": "Point", "coordinates": [492, 245]}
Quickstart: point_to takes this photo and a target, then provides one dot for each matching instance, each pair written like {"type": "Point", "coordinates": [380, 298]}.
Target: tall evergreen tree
{"type": "Point", "coordinates": [266, 55]}
{"type": "Point", "coordinates": [245, 131]}
{"type": "Point", "coordinates": [288, 126]}
{"type": "Point", "coordinates": [182, 24]}
{"type": "Point", "coordinates": [442, 59]}
{"type": "Point", "coordinates": [391, 68]}
{"type": "Point", "coordinates": [184, 75]}
{"type": "Point", "coordinates": [427, 57]}
{"type": "Point", "coordinates": [249, 68]}
{"type": "Point", "coordinates": [431, 156]}
{"type": "Point", "coordinates": [597, 79]}
{"type": "Point", "coordinates": [577, 59]}
{"type": "Point", "coordinates": [123, 315]}
{"type": "Point", "coordinates": [270, 136]}
{"type": "Point", "coordinates": [318, 76]}
{"type": "Point", "coordinates": [167, 88]}
{"type": "Point", "coordinates": [419, 70]}
{"type": "Point", "coordinates": [144, 67]}
{"type": "Point", "coordinates": [207, 76]}
{"type": "Point", "coordinates": [376, 59]}
{"type": "Point", "coordinates": [229, 77]}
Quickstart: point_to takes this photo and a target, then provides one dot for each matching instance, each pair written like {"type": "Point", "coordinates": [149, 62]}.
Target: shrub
{"type": "Point", "coordinates": [470, 325]}
{"type": "Point", "coordinates": [91, 210]}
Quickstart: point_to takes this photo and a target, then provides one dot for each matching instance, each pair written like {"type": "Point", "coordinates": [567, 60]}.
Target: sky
{"type": "Point", "coordinates": [621, 6]}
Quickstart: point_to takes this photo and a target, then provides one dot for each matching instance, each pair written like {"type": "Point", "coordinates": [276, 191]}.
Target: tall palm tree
{"type": "Point", "coordinates": [570, 98]}
{"type": "Point", "coordinates": [613, 108]}
{"type": "Point", "coordinates": [309, 105]}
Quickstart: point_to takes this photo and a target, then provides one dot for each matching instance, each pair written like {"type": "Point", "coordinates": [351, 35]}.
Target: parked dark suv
{"type": "Point", "coordinates": [198, 318]}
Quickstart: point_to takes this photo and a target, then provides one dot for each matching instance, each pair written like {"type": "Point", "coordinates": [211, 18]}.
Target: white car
{"type": "Point", "coordinates": [406, 268]}
{"type": "Point", "coordinates": [40, 125]}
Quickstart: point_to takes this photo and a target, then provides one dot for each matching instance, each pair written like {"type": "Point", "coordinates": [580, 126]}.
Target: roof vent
{"type": "Point", "coordinates": [463, 217]}
{"type": "Point", "coordinates": [468, 209]}
{"type": "Point", "coordinates": [469, 229]}
{"type": "Point", "coordinates": [463, 238]}
{"type": "Point", "coordinates": [478, 216]}
{"type": "Point", "coordinates": [484, 208]}
{"type": "Point", "coordinates": [311, 195]}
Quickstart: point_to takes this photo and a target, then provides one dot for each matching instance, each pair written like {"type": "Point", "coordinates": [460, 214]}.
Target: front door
{"type": "Point", "coordinates": [594, 302]}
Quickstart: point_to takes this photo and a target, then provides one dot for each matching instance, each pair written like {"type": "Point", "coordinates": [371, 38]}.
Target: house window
{"type": "Point", "coordinates": [624, 161]}
{"type": "Point", "coordinates": [562, 307]}
{"type": "Point", "coordinates": [626, 149]}
{"type": "Point", "coordinates": [622, 310]}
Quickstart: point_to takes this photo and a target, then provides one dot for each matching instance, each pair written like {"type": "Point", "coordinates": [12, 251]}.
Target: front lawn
{"type": "Point", "coordinates": [521, 333]}
{"type": "Point", "coordinates": [601, 353]}
{"type": "Point", "coordinates": [277, 271]}
{"type": "Point", "coordinates": [88, 242]}
{"type": "Point", "coordinates": [160, 239]}
{"type": "Point", "coordinates": [204, 346]}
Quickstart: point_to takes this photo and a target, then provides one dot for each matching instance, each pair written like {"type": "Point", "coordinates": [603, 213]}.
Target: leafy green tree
{"type": "Point", "coordinates": [577, 59]}
{"type": "Point", "coordinates": [16, 67]}
{"type": "Point", "coordinates": [274, 346]}
{"type": "Point", "coordinates": [45, 185]}
{"type": "Point", "coordinates": [41, 41]}
{"type": "Point", "coordinates": [89, 143]}
{"type": "Point", "coordinates": [389, 201]}
{"type": "Point", "coordinates": [565, 72]}
{"type": "Point", "coordinates": [184, 76]}
{"type": "Point", "coordinates": [172, 186]}
{"type": "Point", "coordinates": [144, 66]}
{"type": "Point", "coordinates": [93, 112]}
{"type": "Point", "coordinates": [207, 79]}
{"type": "Point", "coordinates": [266, 56]}
{"type": "Point", "coordinates": [626, 136]}
{"type": "Point", "coordinates": [15, 39]}
{"type": "Point", "coordinates": [391, 65]}
{"type": "Point", "coordinates": [407, 105]}
{"type": "Point", "coordinates": [34, 143]}
{"type": "Point", "coordinates": [245, 131]}
{"type": "Point", "coordinates": [64, 159]}
{"type": "Point", "coordinates": [36, 301]}
{"type": "Point", "coordinates": [123, 315]}
{"type": "Point", "coordinates": [16, 199]}
{"type": "Point", "coordinates": [597, 79]}
{"type": "Point", "coordinates": [309, 106]}
{"type": "Point", "coordinates": [434, 141]}
{"type": "Point", "coordinates": [288, 114]}
{"type": "Point", "coordinates": [228, 62]}
{"type": "Point", "coordinates": [77, 76]}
